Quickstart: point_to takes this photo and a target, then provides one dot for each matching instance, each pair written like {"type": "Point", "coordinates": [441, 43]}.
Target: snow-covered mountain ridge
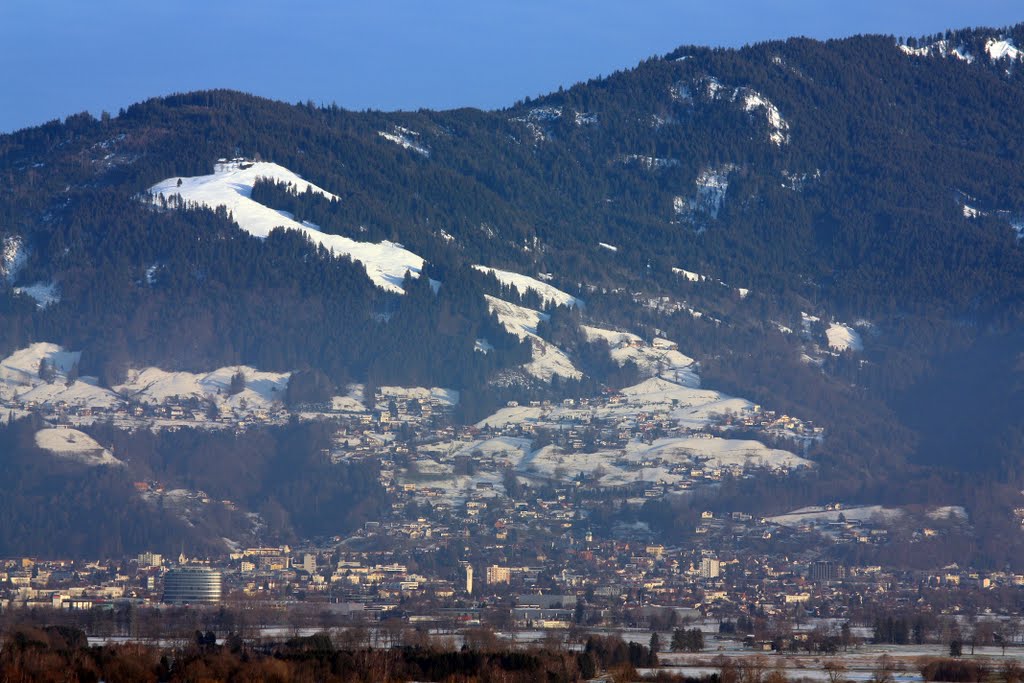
{"type": "Point", "coordinates": [230, 186]}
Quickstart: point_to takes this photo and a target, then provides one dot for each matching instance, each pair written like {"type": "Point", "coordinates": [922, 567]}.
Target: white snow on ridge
{"type": "Point", "coordinates": [916, 51]}
{"type": "Point", "coordinates": [607, 246]}
{"type": "Point", "coordinates": [941, 48]}
{"type": "Point", "coordinates": [544, 114]}
{"type": "Point", "coordinates": [74, 445]}
{"type": "Point", "coordinates": [230, 186]}
{"type": "Point", "coordinates": [1001, 49]}
{"type": "Point", "coordinates": [548, 360]}
{"type": "Point", "coordinates": [524, 282]}
{"type": "Point", "coordinates": [842, 337]}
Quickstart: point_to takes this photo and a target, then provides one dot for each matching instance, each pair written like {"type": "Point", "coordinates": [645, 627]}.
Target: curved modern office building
{"type": "Point", "coordinates": [192, 586]}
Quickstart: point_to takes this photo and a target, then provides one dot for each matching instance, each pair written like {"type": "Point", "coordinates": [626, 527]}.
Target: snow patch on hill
{"type": "Point", "coordinates": [711, 186]}
{"type": "Point", "coordinates": [665, 461]}
{"type": "Point", "coordinates": [778, 126]}
{"type": "Point", "coordinates": [409, 139]}
{"type": "Point", "coordinates": [75, 445]}
{"type": "Point", "coordinates": [689, 406]}
{"type": "Point", "coordinates": [971, 212]}
{"type": "Point", "coordinates": [716, 452]}
{"type": "Point", "coordinates": [12, 257]}
{"type": "Point", "coordinates": [581, 118]}
{"type": "Point", "coordinates": [1001, 49]}
{"type": "Point", "coordinates": [662, 357]}
{"type": "Point", "coordinates": [842, 337]}
{"type": "Point", "coordinates": [82, 393]}
{"type": "Point", "coordinates": [230, 186]}
{"type": "Point", "coordinates": [512, 415]}
{"type": "Point", "coordinates": [20, 370]}
{"type": "Point", "coordinates": [547, 293]}
{"type": "Point", "coordinates": [45, 293]}
{"type": "Point", "coordinates": [820, 515]}
{"type": "Point", "coordinates": [155, 386]}
{"type": "Point", "coordinates": [536, 119]}
{"type": "Point", "coordinates": [712, 89]}
{"type": "Point", "coordinates": [941, 48]}
{"type": "Point", "coordinates": [689, 275]}
{"type": "Point", "coordinates": [548, 359]}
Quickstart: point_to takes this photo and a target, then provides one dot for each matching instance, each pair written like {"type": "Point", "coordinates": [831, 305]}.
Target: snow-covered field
{"type": "Point", "coordinates": [547, 293]}
{"type": "Point", "coordinates": [652, 359]}
{"type": "Point", "coordinates": [517, 415]}
{"type": "Point", "coordinates": [20, 378]}
{"type": "Point", "coordinates": [154, 386]}
{"type": "Point", "coordinates": [842, 337]}
{"type": "Point", "coordinates": [548, 359]}
{"type": "Point", "coordinates": [82, 392]}
{"type": "Point", "coordinates": [230, 185]}
{"type": "Point", "coordinates": [74, 445]}
{"type": "Point", "coordinates": [716, 452]}
{"type": "Point", "coordinates": [690, 405]}
{"type": "Point", "coordinates": [820, 515]}
{"type": "Point", "coordinates": [20, 381]}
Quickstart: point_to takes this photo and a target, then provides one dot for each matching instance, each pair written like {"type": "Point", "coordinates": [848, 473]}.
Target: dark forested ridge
{"type": "Point", "coordinates": [848, 179]}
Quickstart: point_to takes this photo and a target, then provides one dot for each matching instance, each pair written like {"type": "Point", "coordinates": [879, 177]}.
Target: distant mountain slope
{"type": "Point", "coordinates": [824, 227]}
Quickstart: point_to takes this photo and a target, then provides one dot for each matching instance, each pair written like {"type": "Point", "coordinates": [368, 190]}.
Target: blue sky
{"type": "Point", "coordinates": [58, 57]}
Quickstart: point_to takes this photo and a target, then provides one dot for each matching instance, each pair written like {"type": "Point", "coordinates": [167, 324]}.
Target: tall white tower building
{"type": "Point", "coordinates": [710, 568]}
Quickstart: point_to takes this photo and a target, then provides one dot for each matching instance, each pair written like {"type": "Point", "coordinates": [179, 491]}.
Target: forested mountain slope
{"type": "Point", "coordinates": [750, 204]}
